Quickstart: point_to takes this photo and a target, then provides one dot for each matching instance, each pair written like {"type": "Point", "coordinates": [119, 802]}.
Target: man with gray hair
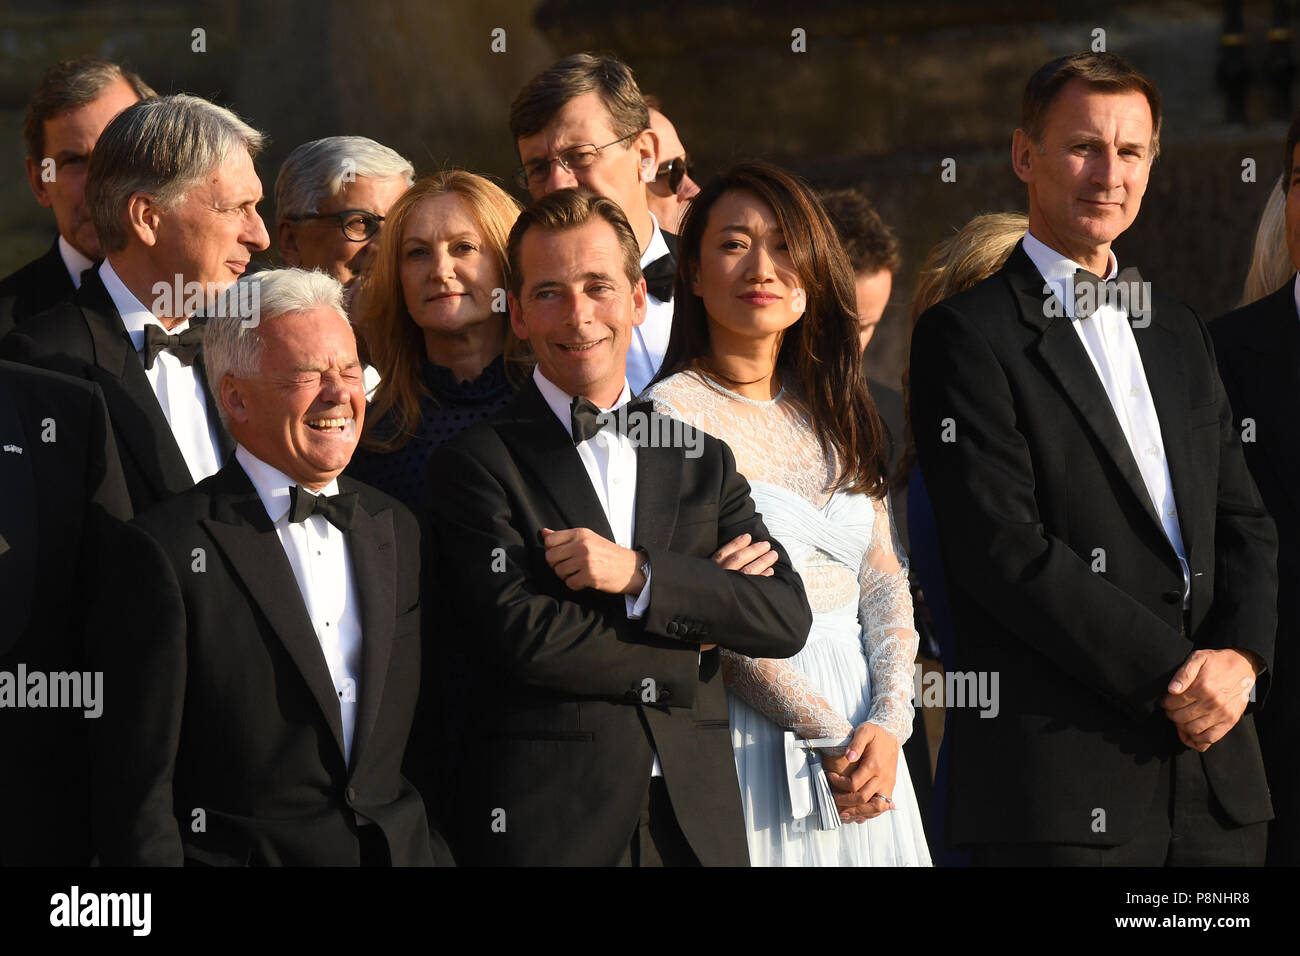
{"type": "Point", "coordinates": [173, 195]}
{"type": "Point", "coordinates": [289, 737]}
{"type": "Point", "coordinates": [330, 201]}
{"type": "Point", "coordinates": [72, 104]}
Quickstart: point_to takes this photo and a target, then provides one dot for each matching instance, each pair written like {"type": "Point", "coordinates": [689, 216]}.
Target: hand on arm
{"type": "Point", "coordinates": [583, 559]}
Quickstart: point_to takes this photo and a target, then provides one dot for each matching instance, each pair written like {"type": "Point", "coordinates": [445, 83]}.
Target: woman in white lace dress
{"type": "Point", "coordinates": [764, 355]}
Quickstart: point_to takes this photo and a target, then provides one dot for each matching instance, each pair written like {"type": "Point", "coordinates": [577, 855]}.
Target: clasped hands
{"type": "Point", "coordinates": [1209, 693]}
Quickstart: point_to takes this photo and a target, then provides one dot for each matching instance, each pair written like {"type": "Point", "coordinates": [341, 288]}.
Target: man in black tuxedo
{"type": "Point", "coordinates": [173, 194]}
{"type": "Point", "coordinates": [1107, 553]}
{"type": "Point", "coordinates": [59, 477]}
{"type": "Point", "coordinates": [571, 564]}
{"type": "Point", "coordinates": [1258, 347]}
{"type": "Point", "coordinates": [263, 686]}
{"type": "Point", "coordinates": [583, 122]}
{"type": "Point", "coordinates": [72, 104]}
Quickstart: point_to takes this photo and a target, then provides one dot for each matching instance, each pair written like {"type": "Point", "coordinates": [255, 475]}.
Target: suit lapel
{"type": "Point", "coordinates": [19, 531]}
{"type": "Point", "coordinates": [244, 533]}
{"type": "Point", "coordinates": [138, 419]}
{"type": "Point", "coordinates": [542, 446]}
{"type": "Point", "coordinates": [372, 548]}
{"type": "Point", "coordinates": [658, 485]}
{"type": "Point", "coordinates": [1066, 358]}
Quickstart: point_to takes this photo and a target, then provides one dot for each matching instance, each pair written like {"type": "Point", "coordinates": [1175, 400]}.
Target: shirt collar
{"type": "Point", "coordinates": [74, 261]}
{"type": "Point", "coordinates": [272, 485]}
{"type": "Point", "coordinates": [1295, 290]}
{"type": "Point", "coordinates": [658, 247]}
{"type": "Point", "coordinates": [561, 402]}
{"type": "Point", "coordinates": [134, 315]}
{"type": "Point", "coordinates": [1059, 270]}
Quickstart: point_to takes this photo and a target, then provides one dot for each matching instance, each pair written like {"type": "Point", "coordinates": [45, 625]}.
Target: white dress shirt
{"type": "Point", "coordinates": [73, 261]}
{"type": "Point", "coordinates": [1295, 291]}
{"type": "Point", "coordinates": [649, 343]}
{"type": "Point", "coordinates": [177, 387]}
{"type": "Point", "coordinates": [318, 553]}
{"type": "Point", "coordinates": [1108, 339]}
{"type": "Point", "coordinates": [610, 459]}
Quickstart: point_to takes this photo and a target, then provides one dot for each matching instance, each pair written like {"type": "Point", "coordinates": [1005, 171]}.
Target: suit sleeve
{"type": "Point", "coordinates": [105, 482]}
{"type": "Point", "coordinates": [1244, 612]}
{"type": "Point", "coordinates": [997, 552]}
{"type": "Point", "coordinates": [139, 645]}
{"type": "Point", "coordinates": [757, 616]}
{"type": "Point", "coordinates": [568, 646]}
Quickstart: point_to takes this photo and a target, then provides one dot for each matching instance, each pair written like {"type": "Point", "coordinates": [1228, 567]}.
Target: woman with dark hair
{"type": "Point", "coordinates": [764, 354]}
{"type": "Point", "coordinates": [434, 321]}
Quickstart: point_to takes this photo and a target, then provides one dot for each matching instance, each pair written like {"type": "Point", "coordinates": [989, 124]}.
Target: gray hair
{"type": "Point", "coordinates": [232, 342]}
{"type": "Point", "coordinates": [162, 147]}
{"type": "Point", "coordinates": [69, 85]}
{"type": "Point", "coordinates": [315, 171]}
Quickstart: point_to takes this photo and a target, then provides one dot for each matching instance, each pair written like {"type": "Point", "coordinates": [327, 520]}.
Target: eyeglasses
{"type": "Point", "coordinates": [358, 225]}
{"type": "Point", "coordinates": [674, 171]}
{"type": "Point", "coordinates": [575, 157]}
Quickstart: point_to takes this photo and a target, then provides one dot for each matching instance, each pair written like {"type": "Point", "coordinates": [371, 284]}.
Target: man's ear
{"type": "Point", "coordinates": [638, 301]}
{"type": "Point", "coordinates": [144, 217]}
{"type": "Point", "coordinates": [287, 240]}
{"type": "Point", "coordinates": [233, 400]}
{"type": "Point", "coordinates": [517, 324]}
{"type": "Point", "coordinates": [1022, 149]}
{"type": "Point", "coordinates": [37, 183]}
{"type": "Point", "coordinates": [647, 146]}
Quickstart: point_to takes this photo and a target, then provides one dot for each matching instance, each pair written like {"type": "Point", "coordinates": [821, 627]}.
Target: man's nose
{"type": "Point", "coordinates": [559, 178]}
{"type": "Point", "coordinates": [687, 189]}
{"type": "Point", "coordinates": [255, 235]}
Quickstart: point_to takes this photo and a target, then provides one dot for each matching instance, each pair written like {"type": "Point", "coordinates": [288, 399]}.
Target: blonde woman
{"type": "Point", "coordinates": [434, 321]}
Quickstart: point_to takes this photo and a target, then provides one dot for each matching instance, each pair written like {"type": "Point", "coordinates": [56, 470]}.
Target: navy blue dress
{"type": "Point", "coordinates": [454, 406]}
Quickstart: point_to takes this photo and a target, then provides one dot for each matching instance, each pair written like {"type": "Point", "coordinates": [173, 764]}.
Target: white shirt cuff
{"type": "Point", "coordinates": [636, 606]}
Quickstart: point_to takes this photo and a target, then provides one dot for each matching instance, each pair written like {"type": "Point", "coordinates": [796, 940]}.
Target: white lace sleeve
{"type": "Point", "coordinates": [888, 636]}
{"type": "Point", "coordinates": [782, 694]}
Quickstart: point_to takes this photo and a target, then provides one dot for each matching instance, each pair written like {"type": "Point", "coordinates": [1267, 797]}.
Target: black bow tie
{"type": "Point", "coordinates": [586, 418]}
{"type": "Point", "coordinates": [184, 345]}
{"type": "Point", "coordinates": [338, 510]}
{"type": "Point", "coordinates": [1096, 292]}
{"type": "Point", "coordinates": [659, 277]}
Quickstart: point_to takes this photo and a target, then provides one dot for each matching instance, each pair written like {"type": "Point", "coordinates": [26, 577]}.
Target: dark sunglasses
{"type": "Point", "coordinates": [675, 170]}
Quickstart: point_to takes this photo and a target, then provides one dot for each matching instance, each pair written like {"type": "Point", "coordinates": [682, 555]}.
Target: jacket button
{"type": "Point", "coordinates": [1172, 597]}
{"type": "Point", "coordinates": [351, 794]}
{"type": "Point", "coordinates": [672, 627]}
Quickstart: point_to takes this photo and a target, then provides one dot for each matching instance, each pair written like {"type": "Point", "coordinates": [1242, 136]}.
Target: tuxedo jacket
{"type": "Point", "coordinates": [58, 472]}
{"type": "Point", "coordinates": [222, 741]}
{"type": "Point", "coordinates": [568, 699]}
{"type": "Point", "coordinates": [37, 286]}
{"type": "Point", "coordinates": [1258, 347]}
{"type": "Point", "coordinates": [85, 337]}
{"type": "Point", "coordinates": [1061, 578]}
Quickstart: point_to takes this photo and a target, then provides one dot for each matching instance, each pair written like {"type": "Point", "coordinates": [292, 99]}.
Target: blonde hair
{"type": "Point", "coordinates": [1270, 260]}
{"type": "Point", "coordinates": [976, 251]}
{"type": "Point", "coordinates": [394, 341]}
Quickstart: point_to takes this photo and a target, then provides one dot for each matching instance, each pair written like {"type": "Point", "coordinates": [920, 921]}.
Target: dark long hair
{"type": "Point", "coordinates": [819, 352]}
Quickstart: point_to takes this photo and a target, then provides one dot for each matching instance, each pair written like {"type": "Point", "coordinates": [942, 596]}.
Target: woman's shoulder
{"type": "Point", "coordinates": [680, 389]}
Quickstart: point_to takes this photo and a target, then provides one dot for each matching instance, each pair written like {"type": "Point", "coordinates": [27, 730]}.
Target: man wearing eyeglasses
{"type": "Point", "coordinates": [330, 201]}
{"type": "Point", "coordinates": [583, 122]}
{"type": "Point", "coordinates": [672, 187]}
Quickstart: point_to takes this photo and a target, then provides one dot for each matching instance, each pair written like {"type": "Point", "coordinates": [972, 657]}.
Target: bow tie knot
{"type": "Point", "coordinates": [184, 345]}
{"type": "Point", "coordinates": [1125, 292]}
{"type": "Point", "coordinates": [338, 510]}
{"type": "Point", "coordinates": [585, 418]}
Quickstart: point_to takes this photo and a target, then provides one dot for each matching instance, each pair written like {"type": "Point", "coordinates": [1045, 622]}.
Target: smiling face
{"type": "Point", "coordinates": [1088, 175]}
{"type": "Point", "coordinates": [321, 244]}
{"type": "Point", "coordinates": [449, 274]}
{"type": "Point", "coordinates": [619, 172]}
{"type": "Point", "coordinates": [304, 410]}
{"type": "Point", "coordinates": [210, 235]}
{"type": "Point", "coordinates": [746, 276]}
{"type": "Point", "coordinates": [576, 307]}
{"type": "Point", "coordinates": [70, 138]}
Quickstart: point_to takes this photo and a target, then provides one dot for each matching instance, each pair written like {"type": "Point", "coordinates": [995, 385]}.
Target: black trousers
{"type": "Point", "coordinates": [1185, 826]}
{"type": "Point", "coordinates": [658, 839]}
